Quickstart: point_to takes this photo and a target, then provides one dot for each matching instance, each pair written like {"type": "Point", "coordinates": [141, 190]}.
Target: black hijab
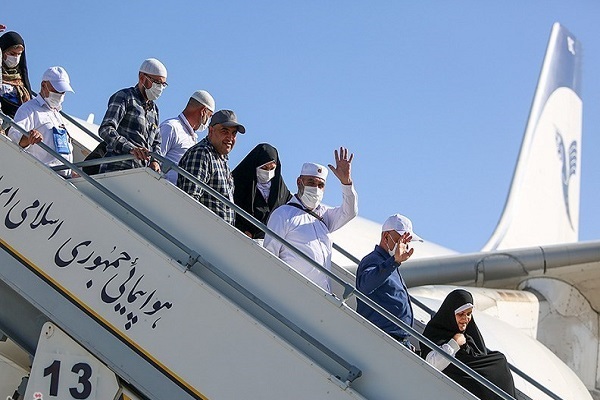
{"type": "Point", "coordinates": [246, 194]}
{"type": "Point", "coordinates": [8, 40]}
{"type": "Point", "coordinates": [490, 364]}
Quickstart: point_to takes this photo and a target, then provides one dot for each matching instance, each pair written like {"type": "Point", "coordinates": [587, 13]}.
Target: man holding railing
{"type": "Point", "coordinates": [306, 223]}
{"type": "Point", "coordinates": [130, 125]}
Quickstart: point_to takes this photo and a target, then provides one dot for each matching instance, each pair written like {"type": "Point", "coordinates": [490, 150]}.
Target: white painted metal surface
{"type": "Point", "coordinates": [192, 332]}
{"type": "Point", "coordinates": [319, 314]}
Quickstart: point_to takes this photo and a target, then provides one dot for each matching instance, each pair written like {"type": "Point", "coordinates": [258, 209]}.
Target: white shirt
{"type": "Point", "coordinates": [177, 136]}
{"type": "Point", "coordinates": [36, 114]}
{"type": "Point", "coordinates": [439, 362]}
{"type": "Point", "coordinates": [309, 235]}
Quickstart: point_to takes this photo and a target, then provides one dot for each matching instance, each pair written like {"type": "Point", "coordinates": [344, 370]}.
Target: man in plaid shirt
{"type": "Point", "coordinates": [207, 161]}
{"type": "Point", "coordinates": [130, 125]}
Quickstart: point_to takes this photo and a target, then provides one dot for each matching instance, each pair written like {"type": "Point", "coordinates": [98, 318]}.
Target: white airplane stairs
{"type": "Point", "coordinates": [175, 302]}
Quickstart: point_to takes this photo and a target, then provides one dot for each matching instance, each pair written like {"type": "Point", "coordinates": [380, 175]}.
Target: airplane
{"type": "Point", "coordinates": [538, 311]}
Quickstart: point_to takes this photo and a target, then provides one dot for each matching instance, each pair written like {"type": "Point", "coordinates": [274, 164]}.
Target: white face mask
{"type": "Point", "coordinates": [12, 61]}
{"type": "Point", "coordinates": [55, 100]}
{"type": "Point", "coordinates": [204, 125]}
{"type": "Point", "coordinates": [393, 251]}
{"type": "Point", "coordinates": [155, 91]}
{"type": "Point", "coordinates": [263, 176]}
{"type": "Point", "coordinates": [312, 196]}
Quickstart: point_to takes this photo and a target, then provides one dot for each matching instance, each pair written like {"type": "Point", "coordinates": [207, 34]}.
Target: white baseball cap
{"type": "Point", "coordinates": [312, 169]}
{"type": "Point", "coordinates": [204, 98]}
{"type": "Point", "coordinates": [58, 78]}
{"type": "Point", "coordinates": [400, 224]}
{"type": "Point", "coordinates": [152, 66]}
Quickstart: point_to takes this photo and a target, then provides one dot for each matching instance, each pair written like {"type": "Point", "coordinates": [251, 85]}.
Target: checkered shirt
{"type": "Point", "coordinates": [203, 161]}
{"type": "Point", "coordinates": [130, 121]}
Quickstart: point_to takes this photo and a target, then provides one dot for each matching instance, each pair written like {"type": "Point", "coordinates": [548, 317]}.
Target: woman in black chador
{"type": "Point", "coordinates": [454, 330]}
{"type": "Point", "coordinates": [259, 187]}
{"type": "Point", "coordinates": [15, 89]}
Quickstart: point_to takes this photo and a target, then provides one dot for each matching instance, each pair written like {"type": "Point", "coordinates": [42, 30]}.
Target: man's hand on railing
{"type": "Point", "coordinates": [142, 154]}
{"type": "Point", "coordinates": [33, 138]}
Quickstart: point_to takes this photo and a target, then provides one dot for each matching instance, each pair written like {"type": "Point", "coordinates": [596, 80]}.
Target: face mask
{"type": "Point", "coordinates": [391, 252]}
{"type": "Point", "coordinates": [312, 196]}
{"type": "Point", "coordinates": [54, 100]}
{"type": "Point", "coordinates": [204, 125]}
{"type": "Point", "coordinates": [264, 176]}
{"type": "Point", "coordinates": [154, 92]}
{"type": "Point", "coordinates": [12, 61]}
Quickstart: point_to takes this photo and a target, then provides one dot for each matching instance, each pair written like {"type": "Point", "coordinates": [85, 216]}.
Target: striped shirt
{"type": "Point", "coordinates": [130, 121]}
{"type": "Point", "coordinates": [204, 162]}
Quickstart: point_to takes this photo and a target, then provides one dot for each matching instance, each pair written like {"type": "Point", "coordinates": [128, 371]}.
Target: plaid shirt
{"type": "Point", "coordinates": [203, 161]}
{"type": "Point", "coordinates": [130, 121]}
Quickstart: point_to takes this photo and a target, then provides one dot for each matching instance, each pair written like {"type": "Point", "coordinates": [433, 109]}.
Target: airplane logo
{"type": "Point", "coordinates": [568, 168]}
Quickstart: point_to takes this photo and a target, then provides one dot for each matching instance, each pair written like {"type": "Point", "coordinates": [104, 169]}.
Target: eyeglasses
{"type": "Point", "coordinates": [163, 84]}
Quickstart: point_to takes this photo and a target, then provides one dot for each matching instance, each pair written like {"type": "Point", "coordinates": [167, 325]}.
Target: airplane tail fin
{"type": "Point", "coordinates": [543, 203]}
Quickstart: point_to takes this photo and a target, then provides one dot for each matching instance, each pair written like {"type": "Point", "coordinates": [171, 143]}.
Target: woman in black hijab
{"type": "Point", "coordinates": [259, 187]}
{"type": "Point", "coordinates": [454, 330]}
{"type": "Point", "coordinates": [15, 89]}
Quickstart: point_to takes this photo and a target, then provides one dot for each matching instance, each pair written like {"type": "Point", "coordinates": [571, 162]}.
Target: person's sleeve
{"type": "Point", "coordinates": [117, 107]}
{"type": "Point", "coordinates": [437, 360]}
{"type": "Point", "coordinates": [167, 136]}
{"type": "Point", "coordinates": [337, 217]}
{"type": "Point", "coordinates": [23, 118]}
{"type": "Point", "coordinates": [197, 164]}
{"type": "Point", "coordinates": [276, 223]}
{"type": "Point", "coordinates": [371, 275]}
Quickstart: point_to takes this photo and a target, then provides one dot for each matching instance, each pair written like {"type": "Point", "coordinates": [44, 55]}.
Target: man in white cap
{"type": "Point", "coordinates": [207, 161]}
{"type": "Point", "coordinates": [378, 276]}
{"type": "Point", "coordinates": [179, 134]}
{"type": "Point", "coordinates": [130, 125]}
{"type": "Point", "coordinates": [306, 223]}
{"type": "Point", "coordinates": [41, 117]}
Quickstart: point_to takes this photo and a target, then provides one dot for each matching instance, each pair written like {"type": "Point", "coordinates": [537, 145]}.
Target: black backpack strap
{"type": "Point", "coordinates": [311, 212]}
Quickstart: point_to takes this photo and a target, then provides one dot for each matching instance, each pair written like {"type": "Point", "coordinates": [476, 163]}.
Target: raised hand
{"type": "Point", "coordinates": [342, 169]}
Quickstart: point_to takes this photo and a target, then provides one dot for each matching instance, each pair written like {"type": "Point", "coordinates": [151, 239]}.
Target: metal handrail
{"type": "Point", "coordinates": [353, 371]}
{"type": "Point", "coordinates": [348, 289]}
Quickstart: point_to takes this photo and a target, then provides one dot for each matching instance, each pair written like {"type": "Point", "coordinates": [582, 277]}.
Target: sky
{"type": "Point", "coordinates": [432, 97]}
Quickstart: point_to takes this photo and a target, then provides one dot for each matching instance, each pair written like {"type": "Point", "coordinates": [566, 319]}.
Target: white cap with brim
{"type": "Point", "coordinates": [400, 224]}
{"type": "Point", "coordinates": [152, 66]}
{"type": "Point", "coordinates": [58, 78]}
{"type": "Point", "coordinates": [204, 98]}
{"type": "Point", "coordinates": [312, 169]}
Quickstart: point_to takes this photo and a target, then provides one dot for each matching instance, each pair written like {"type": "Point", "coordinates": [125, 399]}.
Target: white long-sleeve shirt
{"type": "Point", "coordinates": [438, 361]}
{"type": "Point", "coordinates": [36, 114]}
{"type": "Point", "coordinates": [177, 136]}
{"type": "Point", "coordinates": [309, 235]}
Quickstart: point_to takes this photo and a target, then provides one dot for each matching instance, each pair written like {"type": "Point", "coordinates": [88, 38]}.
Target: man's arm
{"type": "Point", "coordinates": [167, 136]}
{"type": "Point", "coordinates": [371, 275]}
{"type": "Point", "coordinates": [276, 223]}
{"type": "Point", "coordinates": [117, 108]}
{"type": "Point", "coordinates": [25, 119]}
{"type": "Point", "coordinates": [337, 217]}
{"type": "Point", "coordinates": [197, 163]}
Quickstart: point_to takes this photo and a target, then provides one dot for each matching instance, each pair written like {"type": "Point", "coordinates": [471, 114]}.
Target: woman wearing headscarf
{"type": "Point", "coordinates": [259, 187]}
{"type": "Point", "coordinates": [15, 89]}
{"type": "Point", "coordinates": [455, 331]}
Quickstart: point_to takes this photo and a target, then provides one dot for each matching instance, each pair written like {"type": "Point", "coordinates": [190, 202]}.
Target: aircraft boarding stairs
{"type": "Point", "coordinates": [177, 303]}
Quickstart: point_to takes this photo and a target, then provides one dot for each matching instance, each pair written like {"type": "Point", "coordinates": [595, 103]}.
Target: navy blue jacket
{"type": "Point", "coordinates": [379, 278]}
